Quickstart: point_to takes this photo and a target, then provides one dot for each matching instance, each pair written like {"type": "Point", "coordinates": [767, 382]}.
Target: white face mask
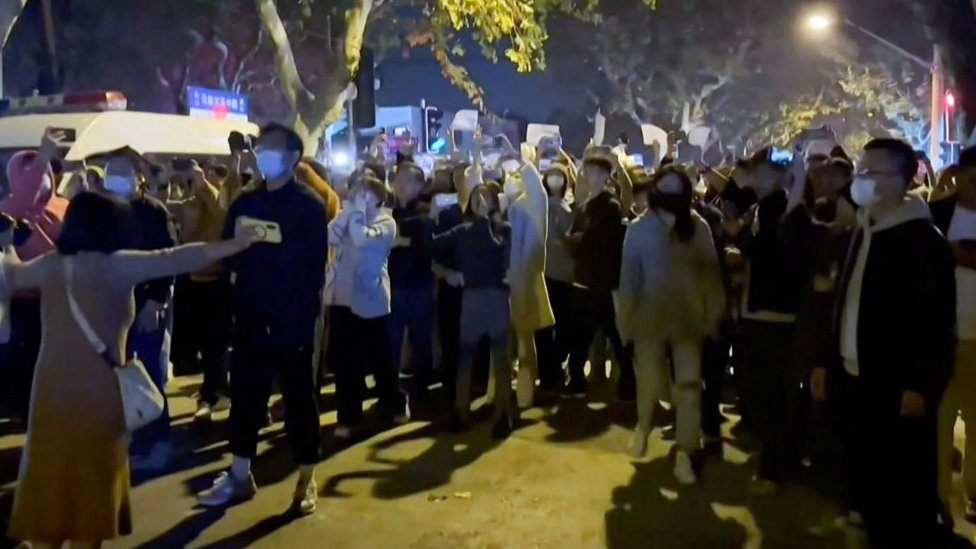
{"type": "Point", "coordinates": [864, 191]}
{"type": "Point", "coordinates": [510, 166]}
{"type": "Point", "coordinates": [556, 183]}
{"type": "Point", "coordinates": [271, 164]}
{"type": "Point", "coordinates": [121, 185]}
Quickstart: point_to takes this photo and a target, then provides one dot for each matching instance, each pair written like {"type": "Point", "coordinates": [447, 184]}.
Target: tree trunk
{"type": "Point", "coordinates": [315, 109]}
{"type": "Point", "coordinates": [9, 12]}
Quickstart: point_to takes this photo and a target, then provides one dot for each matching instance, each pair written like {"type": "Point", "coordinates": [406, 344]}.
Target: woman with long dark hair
{"type": "Point", "coordinates": [671, 297]}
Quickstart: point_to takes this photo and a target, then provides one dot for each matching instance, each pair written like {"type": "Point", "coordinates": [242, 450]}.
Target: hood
{"type": "Point", "coordinates": [911, 209]}
{"type": "Point", "coordinates": [27, 195]}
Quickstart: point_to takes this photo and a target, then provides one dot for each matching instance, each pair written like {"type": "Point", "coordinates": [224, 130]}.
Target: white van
{"type": "Point", "coordinates": [94, 133]}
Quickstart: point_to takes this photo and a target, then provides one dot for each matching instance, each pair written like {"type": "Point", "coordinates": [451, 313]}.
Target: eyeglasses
{"type": "Point", "coordinates": [869, 173]}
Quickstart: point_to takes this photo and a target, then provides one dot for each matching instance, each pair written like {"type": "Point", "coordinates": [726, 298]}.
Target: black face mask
{"type": "Point", "coordinates": [671, 203]}
{"type": "Point", "coordinates": [740, 199]}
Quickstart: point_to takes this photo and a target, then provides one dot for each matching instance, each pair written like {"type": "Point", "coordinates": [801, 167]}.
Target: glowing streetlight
{"type": "Point", "coordinates": [819, 22]}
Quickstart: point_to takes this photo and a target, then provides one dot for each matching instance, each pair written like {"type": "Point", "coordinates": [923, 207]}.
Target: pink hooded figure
{"type": "Point", "coordinates": [32, 199]}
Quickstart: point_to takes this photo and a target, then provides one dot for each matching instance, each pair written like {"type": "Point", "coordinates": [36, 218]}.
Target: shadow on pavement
{"type": "Point", "coordinates": [431, 469]}
{"type": "Point", "coordinates": [186, 530]}
{"type": "Point", "coordinates": [246, 538]}
{"type": "Point", "coordinates": [655, 511]}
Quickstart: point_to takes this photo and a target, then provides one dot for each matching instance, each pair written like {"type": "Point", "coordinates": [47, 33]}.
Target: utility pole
{"type": "Point", "coordinates": [938, 93]}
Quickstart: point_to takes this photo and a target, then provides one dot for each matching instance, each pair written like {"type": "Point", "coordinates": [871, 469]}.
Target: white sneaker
{"type": "Point", "coordinates": [204, 412]}
{"type": "Point", "coordinates": [402, 418]}
{"type": "Point", "coordinates": [524, 388]}
{"type": "Point", "coordinates": [683, 471]}
{"type": "Point", "coordinates": [306, 497]}
{"type": "Point", "coordinates": [223, 403]}
{"type": "Point", "coordinates": [343, 432]}
{"type": "Point", "coordinates": [227, 490]}
{"type": "Point", "coordinates": [638, 444]}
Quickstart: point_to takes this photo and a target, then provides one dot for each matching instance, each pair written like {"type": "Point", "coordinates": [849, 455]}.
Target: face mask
{"type": "Point", "coordinates": [556, 183]}
{"type": "Point", "coordinates": [121, 185]}
{"type": "Point", "coordinates": [511, 188]}
{"type": "Point", "coordinates": [864, 192]}
{"type": "Point", "coordinates": [510, 166]}
{"type": "Point", "coordinates": [503, 202]}
{"type": "Point", "coordinates": [271, 164]}
{"type": "Point", "coordinates": [671, 203]}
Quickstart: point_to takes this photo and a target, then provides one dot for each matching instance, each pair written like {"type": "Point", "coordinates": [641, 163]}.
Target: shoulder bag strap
{"type": "Point", "coordinates": [95, 341]}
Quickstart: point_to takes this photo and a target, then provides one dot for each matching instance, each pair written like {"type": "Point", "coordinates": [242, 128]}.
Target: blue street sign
{"type": "Point", "coordinates": [216, 103]}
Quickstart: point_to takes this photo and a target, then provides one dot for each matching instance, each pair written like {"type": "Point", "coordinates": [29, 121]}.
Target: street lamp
{"type": "Point", "coordinates": [820, 22]}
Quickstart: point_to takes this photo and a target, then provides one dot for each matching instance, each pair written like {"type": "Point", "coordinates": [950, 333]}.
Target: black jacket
{"type": "Point", "coordinates": [277, 287]}
{"type": "Point", "coordinates": [598, 240]}
{"type": "Point", "coordinates": [410, 266]}
{"type": "Point", "coordinates": [156, 231]}
{"type": "Point", "coordinates": [907, 312]}
{"type": "Point", "coordinates": [780, 255]}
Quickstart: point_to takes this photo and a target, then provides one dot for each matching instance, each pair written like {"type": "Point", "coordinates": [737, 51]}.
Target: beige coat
{"type": "Point", "coordinates": [528, 216]}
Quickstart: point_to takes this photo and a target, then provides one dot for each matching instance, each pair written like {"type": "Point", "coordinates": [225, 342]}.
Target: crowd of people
{"type": "Point", "coordinates": [778, 283]}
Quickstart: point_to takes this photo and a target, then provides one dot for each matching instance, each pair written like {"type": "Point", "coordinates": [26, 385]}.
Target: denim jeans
{"type": "Point", "coordinates": [413, 312]}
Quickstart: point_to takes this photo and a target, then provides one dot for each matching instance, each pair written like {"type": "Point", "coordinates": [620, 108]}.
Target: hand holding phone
{"type": "Point", "coordinates": [264, 231]}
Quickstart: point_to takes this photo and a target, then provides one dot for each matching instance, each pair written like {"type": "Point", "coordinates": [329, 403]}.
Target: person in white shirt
{"type": "Point", "coordinates": [960, 395]}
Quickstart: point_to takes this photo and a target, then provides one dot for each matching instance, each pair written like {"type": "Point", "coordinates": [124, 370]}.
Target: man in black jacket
{"type": "Point", "coordinates": [895, 326]}
{"type": "Point", "coordinates": [277, 299]}
{"type": "Point", "coordinates": [777, 239]}
{"type": "Point", "coordinates": [597, 240]}
{"type": "Point", "coordinates": [411, 278]}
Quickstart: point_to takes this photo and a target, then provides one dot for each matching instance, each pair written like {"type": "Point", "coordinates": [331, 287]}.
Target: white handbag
{"type": "Point", "coordinates": [142, 402]}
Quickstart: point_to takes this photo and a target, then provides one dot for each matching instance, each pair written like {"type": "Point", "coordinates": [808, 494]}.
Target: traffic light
{"type": "Point", "coordinates": [950, 152]}
{"type": "Point", "coordinates": [432, 128]}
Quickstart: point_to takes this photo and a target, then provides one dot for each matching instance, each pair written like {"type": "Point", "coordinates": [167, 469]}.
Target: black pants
{"type": "Point", "coordinates": [553, 344]}
{"type": "Point", "coordinates": [891, 464]}
{"type": "Point", "coordinates": [449, 331]}
{"type": "Point", "coordinates": [715, 357]}
{"type": "Point", "coordinates": [212, 311]}
{"type": "Point", "coordinates": [593, 311]}
{"type": "Point", "coordinates": [357, 347]}
{"type": "Point", "coordinates": [769, 390]}
{"type": "Point", "coordinates": [25, 343]}
{"type": "Point", "coordinates": [254, 366]}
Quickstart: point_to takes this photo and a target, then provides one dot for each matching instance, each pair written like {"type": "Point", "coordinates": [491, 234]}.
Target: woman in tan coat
{"type": "Point", "coordinates": [74, 474]}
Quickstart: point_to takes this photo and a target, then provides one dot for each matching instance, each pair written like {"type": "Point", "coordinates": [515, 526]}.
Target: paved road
{"type": "Point", "coordinates": [561, 481]}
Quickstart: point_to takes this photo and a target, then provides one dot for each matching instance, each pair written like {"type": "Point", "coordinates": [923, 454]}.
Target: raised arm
{"type": "Point", "coordinates": [376, 235]}
{"type": "Point", "coordinates": [133, 267]}
{"type": "Point", "coordinates": [24, 275]}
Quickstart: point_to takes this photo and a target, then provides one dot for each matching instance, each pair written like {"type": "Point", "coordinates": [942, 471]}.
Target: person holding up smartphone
{"type": "Point", "coordinates": [276, 304]}
{"type": "Point", "coordinates": [358, 295]}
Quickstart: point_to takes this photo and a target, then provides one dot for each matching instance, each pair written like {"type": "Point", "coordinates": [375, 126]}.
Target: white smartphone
{"type": "Point", "coordinates": [443, 201]}
{"type": "Point", "coordinates": [267, 231]}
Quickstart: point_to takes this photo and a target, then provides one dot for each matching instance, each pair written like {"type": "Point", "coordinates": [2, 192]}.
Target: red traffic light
{"type": "Point", "coordinates": [950, 100]}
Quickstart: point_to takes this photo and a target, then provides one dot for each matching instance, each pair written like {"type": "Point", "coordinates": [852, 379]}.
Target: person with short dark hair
{"type": "Point", "coordinates": [74, 478]}
{"type": "Point", "coordinates": [277, 300]}
{"type": "Point", "coordinates": [596, 240]}
{"type": "Point", "coordinates": [125, 176]}
{"type": "Point", "coordinates": [779, 250]}
{"type": "Point", "coordinates": [894, 327]}
{"type": "Point", "coordinates": [412, 278]}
